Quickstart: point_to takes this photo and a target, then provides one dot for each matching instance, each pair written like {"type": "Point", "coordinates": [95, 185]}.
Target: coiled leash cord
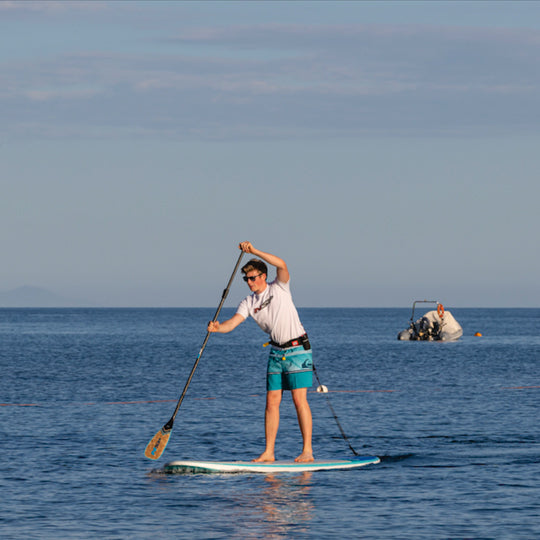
{"type": "Point", "coordinates": [334, 414]}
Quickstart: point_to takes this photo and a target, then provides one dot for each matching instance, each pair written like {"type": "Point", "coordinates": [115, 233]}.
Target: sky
{"type": "Point", "coordinates": [388, 151]}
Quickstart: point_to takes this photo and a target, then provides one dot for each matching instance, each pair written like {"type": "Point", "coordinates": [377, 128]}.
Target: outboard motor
{"type": "Point", "coordinates": [436, 325]}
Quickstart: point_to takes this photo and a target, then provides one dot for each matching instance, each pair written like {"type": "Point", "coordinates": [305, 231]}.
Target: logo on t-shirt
{"type": "Point", "coordinates": [263, 305]}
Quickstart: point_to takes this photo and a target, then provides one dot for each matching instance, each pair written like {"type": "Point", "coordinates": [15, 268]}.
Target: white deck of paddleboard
{"type": "Point", "coordinates": [191, 466]}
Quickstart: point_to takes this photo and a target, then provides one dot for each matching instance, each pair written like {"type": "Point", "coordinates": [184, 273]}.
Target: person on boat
{"type": "Point", "coordinates": [290, 364]}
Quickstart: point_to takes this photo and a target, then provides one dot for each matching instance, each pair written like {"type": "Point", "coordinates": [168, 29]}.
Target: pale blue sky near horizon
{"type": "Point", "coordinates": [388, 151]}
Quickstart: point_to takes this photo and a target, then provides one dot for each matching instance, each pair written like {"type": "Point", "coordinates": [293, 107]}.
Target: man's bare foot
{"type": "Point", "coordinates": [304, 457]}
{"type": "Point", "coordinates": [265, 456]}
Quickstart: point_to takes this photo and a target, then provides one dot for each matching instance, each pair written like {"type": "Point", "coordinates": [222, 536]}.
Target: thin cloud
{"type": "Point", "coordinates": [18, 7]}
{"type": "Point", "coordinates": [344, 80]}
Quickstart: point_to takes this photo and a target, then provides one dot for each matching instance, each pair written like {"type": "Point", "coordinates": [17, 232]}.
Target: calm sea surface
{"type": "Point", "coordinates": [455, 425]}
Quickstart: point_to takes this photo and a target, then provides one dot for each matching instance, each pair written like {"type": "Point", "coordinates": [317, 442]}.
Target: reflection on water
{"type": "Point", "coordinates": [280, 506]}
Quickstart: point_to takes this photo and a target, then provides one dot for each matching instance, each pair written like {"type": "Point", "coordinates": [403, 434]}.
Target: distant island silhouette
{"type": "Point", "coordinates": [28, 296]}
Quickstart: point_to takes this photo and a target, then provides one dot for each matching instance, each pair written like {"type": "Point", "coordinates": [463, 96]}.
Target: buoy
{"type": "Point", "coordinates": [478, 334]}
{"type": "Point", "coordinates": [322, 389]}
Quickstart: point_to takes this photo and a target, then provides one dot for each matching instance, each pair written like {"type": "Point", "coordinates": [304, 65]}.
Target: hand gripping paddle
{"type": "Point", "coordinates": [159, 441]}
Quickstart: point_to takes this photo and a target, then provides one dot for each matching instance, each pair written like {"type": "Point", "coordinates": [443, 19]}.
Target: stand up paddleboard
{"type": "Point", "coordinates": [266, 467]}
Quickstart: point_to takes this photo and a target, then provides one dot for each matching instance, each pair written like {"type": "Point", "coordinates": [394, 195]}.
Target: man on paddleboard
{"type": "Point", "coordinates": [290, 365]}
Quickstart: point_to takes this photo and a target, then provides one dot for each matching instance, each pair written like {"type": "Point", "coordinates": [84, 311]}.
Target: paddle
{"type": "Point", "coordinates": [159, 441]}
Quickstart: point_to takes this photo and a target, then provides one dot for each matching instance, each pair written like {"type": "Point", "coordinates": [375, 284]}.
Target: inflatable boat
{"type": "Point", "coordinates": [436, 325]}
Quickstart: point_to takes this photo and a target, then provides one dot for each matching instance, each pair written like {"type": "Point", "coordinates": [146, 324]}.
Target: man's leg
{"type": "Point", "coordinates": [271, 424]}
{"type": "Point", "coordinates": [305, 422]}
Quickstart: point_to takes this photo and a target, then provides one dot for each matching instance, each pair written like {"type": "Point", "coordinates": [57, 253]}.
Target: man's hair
{"type": "Point", "coordinates": [255, 264]}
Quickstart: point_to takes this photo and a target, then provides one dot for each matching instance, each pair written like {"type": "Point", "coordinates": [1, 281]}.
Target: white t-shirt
{"type": "Point", "coordinates": [274, 311]}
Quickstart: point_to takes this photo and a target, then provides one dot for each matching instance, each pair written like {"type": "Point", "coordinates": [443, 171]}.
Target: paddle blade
{"type": "Point", "coordinates": [157, 444]}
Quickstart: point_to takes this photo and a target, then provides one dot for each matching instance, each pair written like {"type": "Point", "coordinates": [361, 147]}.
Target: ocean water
{"type": "Point", "coordinates": [82, 391]}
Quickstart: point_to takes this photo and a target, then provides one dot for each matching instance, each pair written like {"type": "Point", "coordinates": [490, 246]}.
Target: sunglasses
{"type": "Point", "coordinates": [251, 278]}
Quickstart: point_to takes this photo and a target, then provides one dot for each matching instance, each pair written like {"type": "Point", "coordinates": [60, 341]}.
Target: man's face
{"type": "Point", "coordinates": [256, 281]}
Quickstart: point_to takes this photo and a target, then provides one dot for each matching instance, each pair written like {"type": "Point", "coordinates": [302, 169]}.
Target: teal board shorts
{"type": "Point", "coordinates": [289, 369]}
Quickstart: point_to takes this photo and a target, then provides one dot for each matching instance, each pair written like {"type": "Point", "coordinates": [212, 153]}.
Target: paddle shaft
{"type": "Point", "coordinates": [168, 426]}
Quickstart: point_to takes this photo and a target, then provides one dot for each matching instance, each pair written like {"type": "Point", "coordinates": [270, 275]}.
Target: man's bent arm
{"type": "Point", "coordinates": [274, 260]}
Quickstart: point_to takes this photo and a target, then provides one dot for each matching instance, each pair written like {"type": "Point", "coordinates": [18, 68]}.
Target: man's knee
{"type": "Point", "coordinates": [299, 396]}
{"type": "Point", "coordinates": [273, 398]}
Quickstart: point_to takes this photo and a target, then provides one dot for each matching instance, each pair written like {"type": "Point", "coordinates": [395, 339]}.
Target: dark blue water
{"type": "Point", "coordinates": [83, 391]}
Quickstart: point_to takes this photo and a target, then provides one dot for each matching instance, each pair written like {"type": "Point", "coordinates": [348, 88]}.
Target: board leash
{"type": "Point", "coordinates": [343, 434]}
